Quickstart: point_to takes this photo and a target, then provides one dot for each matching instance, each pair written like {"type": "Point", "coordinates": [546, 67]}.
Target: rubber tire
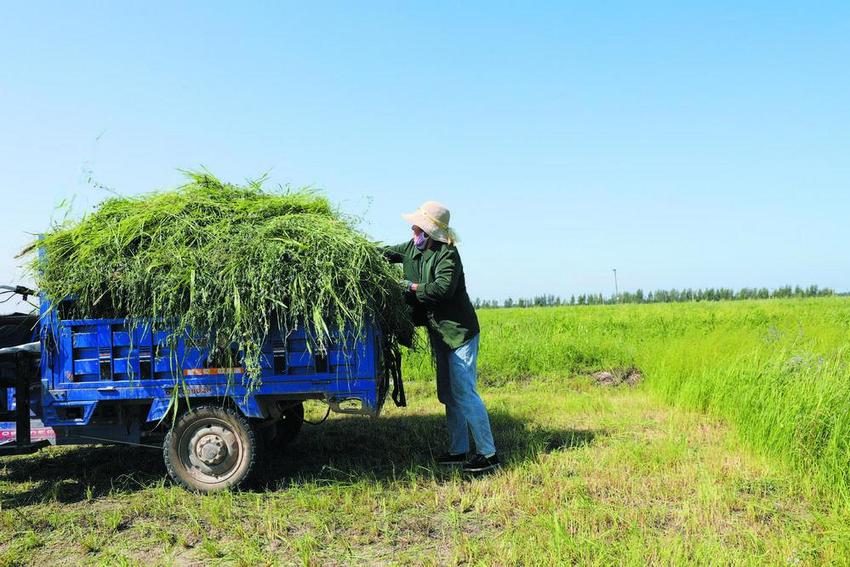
{"type": "Point", "coordinates": [287, 427]}
{"type": "Point", "coordinates": [236, 423]}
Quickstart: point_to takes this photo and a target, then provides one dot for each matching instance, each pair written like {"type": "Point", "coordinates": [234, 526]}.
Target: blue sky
{"type": "Point", "coordinates": [687, 146]}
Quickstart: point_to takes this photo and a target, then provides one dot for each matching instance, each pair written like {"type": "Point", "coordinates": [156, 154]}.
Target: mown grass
{"type": "Point", "coordinates": [592, 475]}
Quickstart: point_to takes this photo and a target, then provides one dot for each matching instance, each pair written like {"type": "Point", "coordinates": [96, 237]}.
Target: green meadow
{"type": "Point", "coordinates": [734, 448]}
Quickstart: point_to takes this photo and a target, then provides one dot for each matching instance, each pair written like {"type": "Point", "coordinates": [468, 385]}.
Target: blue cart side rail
{"type": "Point", "coordinates": [113, 381]}
{"type": "Point", "coordinates": [91, 363]}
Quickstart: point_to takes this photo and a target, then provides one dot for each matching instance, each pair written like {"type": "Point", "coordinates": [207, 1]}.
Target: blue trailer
{"type": "Point", "coordinates": [95, 381]}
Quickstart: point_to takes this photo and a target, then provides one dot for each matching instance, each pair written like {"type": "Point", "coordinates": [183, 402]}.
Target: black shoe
{"type": "Point", "coordinates": [448, 459]}
{"type": "Point", "coordinates": [480, 463]}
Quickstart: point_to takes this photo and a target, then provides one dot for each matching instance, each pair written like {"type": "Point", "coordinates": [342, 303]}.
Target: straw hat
{"type": "Point", "coordinates": [433, 218]}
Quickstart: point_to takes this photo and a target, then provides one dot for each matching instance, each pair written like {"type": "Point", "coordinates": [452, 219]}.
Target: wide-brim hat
{"type": "Point", "coordinates": [433, 218]}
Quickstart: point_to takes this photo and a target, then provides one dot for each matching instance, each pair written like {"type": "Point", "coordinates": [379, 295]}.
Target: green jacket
{"type": "Point", "coordinates": [441, 301]}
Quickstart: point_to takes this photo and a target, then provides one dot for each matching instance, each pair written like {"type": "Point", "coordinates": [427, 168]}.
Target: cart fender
{"type": "Point", "coordinates": [159, 408]}
{"type": "Point", "coordinates": [248, 406]}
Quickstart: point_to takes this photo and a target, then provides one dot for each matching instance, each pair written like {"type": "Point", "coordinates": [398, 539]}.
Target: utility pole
{"type": "Point", "coordinates": [616, 288]}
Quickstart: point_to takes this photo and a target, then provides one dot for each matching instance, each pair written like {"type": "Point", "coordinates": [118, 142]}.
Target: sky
{"type": "Point", "coordinates": [684, 144]}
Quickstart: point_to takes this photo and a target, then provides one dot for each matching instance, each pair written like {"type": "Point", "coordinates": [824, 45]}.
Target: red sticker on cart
{"type": "Point", "coordinates": [209, 371]}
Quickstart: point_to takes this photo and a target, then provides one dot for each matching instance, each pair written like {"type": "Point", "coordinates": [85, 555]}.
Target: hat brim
{"type": "Point", "coordinates": [427, 225]}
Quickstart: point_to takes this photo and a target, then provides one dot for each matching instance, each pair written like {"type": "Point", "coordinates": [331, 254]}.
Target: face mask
{"type": "Point", "coordinates": [419, 240]}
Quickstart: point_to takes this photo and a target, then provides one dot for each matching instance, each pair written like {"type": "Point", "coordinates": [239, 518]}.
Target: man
{"type": "Point", "coordinates": [435, 287]}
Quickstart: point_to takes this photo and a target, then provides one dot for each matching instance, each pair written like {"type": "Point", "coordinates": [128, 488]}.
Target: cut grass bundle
{"type": "Point", "coordinates": [229, 262]}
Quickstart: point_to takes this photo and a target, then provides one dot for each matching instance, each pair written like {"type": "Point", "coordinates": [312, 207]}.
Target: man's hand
{"type": "Point", "coordinates": [408, 285]}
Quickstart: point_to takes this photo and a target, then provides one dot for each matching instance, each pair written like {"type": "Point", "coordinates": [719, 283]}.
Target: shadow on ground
{"type": "Point", "coordinates": [346, 449]}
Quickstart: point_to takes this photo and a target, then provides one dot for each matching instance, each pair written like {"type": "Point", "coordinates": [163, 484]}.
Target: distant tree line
{"type": "Point", "coordinates": [658, 296]}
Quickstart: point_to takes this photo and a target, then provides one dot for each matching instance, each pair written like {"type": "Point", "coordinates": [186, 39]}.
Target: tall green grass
{"type": "Point", "coordinates": [778, 370]}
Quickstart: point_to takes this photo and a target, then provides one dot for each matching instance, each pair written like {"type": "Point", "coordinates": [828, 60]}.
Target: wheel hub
{"type": "Point", "coordinates": [211, 450]}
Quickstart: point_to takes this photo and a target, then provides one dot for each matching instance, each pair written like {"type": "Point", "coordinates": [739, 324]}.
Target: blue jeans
{"type": "Point", "coordinates": [457, 373]}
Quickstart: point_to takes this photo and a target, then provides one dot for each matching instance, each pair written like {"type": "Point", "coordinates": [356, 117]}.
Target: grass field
{"type": "Point", "coordinates": [734, 450]}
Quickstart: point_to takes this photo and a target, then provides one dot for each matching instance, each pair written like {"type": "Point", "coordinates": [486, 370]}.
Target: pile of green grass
{"type": "Point", "coordinates": [229, 262]}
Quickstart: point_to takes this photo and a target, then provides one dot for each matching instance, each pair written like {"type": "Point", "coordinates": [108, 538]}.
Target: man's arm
{"type": "Point", "coordinates": [394, 254]}
{"type": "Point", "coordinates": [446, 277]}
